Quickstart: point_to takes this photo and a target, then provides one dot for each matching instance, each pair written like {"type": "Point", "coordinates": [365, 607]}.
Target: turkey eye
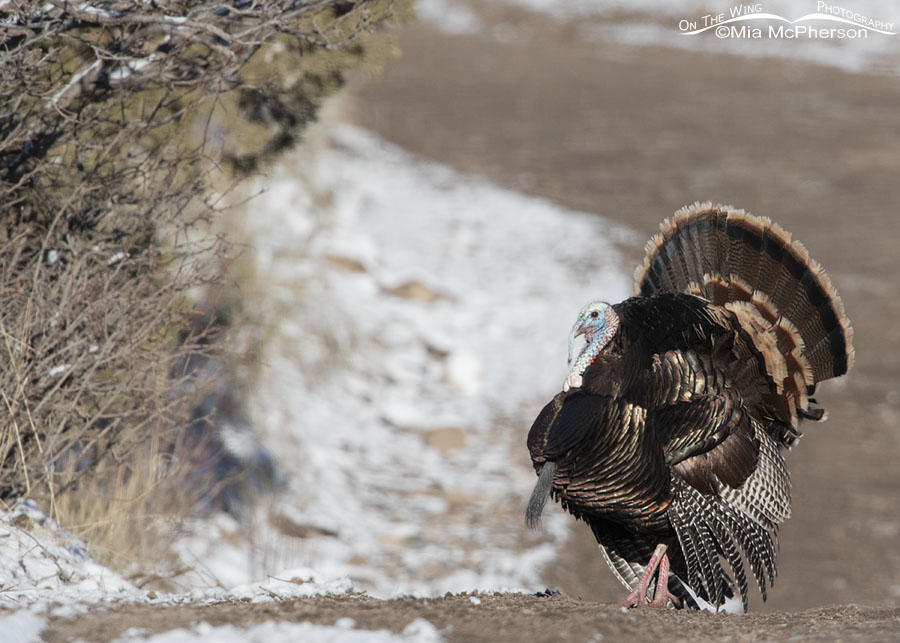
{"type": "Point", "coordinates": [595, 314]}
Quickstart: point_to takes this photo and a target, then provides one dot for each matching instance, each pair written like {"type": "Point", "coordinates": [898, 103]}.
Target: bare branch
{"type": "Point", "coordinates": [113, 115]}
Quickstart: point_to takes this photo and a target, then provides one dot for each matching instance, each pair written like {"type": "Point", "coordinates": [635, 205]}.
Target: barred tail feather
{"type": "Point", "coordinates": [774, 290]}
{"type": "Point", "coordinates": [731, 255]}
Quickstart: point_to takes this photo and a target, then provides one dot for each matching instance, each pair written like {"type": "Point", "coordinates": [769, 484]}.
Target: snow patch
{"type": "Point", "coordinates": [22, 626]}
{"type": "Point", "coordinates": [41, 563]}
{"type": "Point", "coordinates": [418, 631]}
{"type": "Point", "coordinates": [453, 17]}
{"type": "Point", "coordinates": [45, 569]}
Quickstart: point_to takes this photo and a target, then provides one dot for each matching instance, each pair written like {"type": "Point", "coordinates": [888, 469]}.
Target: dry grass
{"type": "Point", "coordinates": [129, 516]}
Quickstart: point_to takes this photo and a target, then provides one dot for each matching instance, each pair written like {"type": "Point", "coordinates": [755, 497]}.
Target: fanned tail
{"type": "Point", "coordinates": [777, 293]}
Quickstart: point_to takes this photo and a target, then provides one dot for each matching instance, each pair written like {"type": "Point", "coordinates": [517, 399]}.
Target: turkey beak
{"type": "Point", "coordinates": [577, 329]}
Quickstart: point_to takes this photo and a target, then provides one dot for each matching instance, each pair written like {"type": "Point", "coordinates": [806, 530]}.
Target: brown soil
{"type": "Point", "coordinates": [502, 618]}
{"type": "Point", "coordinates": [634, 133]}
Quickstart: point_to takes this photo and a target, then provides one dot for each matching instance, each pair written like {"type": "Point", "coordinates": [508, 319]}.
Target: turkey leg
{"type": "Point", "coordinates": [661, 598]}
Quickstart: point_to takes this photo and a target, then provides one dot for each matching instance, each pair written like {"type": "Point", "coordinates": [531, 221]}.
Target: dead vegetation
{"type": "Point", "coordinates": [117, 120]}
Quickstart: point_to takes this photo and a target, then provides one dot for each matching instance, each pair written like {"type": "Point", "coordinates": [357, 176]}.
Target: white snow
{"type": "Point", "coordinates": [46, 569]}
{"type": "Point", "coordinates": [454, 17]}
{"type": "Point", "coordinates": [40, 562]}
{"type": "Point", "coordinates": [418, 631]}
{"type": "Point", "coordinates": [22, 626]}
{"type": "Point", "coordinates": [59, 368]}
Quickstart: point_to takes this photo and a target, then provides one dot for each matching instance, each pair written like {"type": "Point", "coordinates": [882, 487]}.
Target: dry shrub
{"type": "Point", "coordinates": [116, 117]}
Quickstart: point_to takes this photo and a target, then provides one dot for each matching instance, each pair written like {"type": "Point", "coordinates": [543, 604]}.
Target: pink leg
{"type": "Point", "coordinates": [638, 596]}
{"type": "Point", "coordinates": [662, 596]}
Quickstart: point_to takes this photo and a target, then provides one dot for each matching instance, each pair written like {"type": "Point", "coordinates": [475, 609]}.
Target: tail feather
{"type": "Point", "coordinates": [729, 256]}
{"type": "Point", "coordinates": [662, 269]}
{"type": "Point", "coordinates": [744, 259]}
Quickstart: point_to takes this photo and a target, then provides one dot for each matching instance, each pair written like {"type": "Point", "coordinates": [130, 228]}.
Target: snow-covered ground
{"type": "Point", "coordinates": [418, 631]}
{"type": "Point", "coordinates": [422, 318]}
{"type": "Point", "coordinates": [45, 570]}
{"type": "Point", "coordinates": [41, 563]}
{"type": "Point", "coordinates": [665, 23]}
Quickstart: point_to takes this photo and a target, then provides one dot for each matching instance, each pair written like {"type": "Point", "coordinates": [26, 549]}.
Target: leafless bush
{"type": "Point", "coordinates": [116, 117]}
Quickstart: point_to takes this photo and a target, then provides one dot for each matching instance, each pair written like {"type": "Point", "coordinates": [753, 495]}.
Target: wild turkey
{"type": "Point", "coordinates": [667, 436]}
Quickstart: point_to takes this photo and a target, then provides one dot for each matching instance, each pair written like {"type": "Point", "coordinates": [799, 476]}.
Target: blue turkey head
{"type": "Point", "coordinates": [598, 322]}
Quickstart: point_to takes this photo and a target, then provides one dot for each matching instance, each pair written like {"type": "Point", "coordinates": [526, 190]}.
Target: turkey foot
{"type": "Point", "coordinates": [638, 597]}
